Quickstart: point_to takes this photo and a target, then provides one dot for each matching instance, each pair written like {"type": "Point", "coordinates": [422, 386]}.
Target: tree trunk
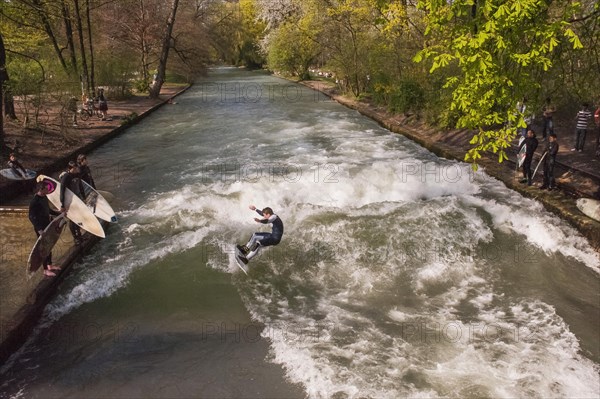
{"type": "Point", "coordinates": [144, 45]}
{"type": "Point", "coordinates": [9, 103]}
{"type": "Point", "coordinates": [48, 28]}
{"type": "Point", "coordinates": [164, 54]}
{"type": "Point", "coordinates": [69, 36]}
{"type": "Point", "coordinates": [90, 44]}
{"type": "Point", "coordinates": [3, 77]}
{"type": "Point", "coordinates": [84, 69]}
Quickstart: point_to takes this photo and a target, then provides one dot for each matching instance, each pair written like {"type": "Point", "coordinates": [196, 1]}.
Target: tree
{"type": "Point", "coordinates": [92, 82]}
{"type": "Point", "coordinates": [249, 36]}
{"type": "Point", "coordinates": [293, 49]}
{"type": "Point", "coordinates": [497, 51]}
{"type": "Point", "coordinates": [3, 78]}
{"type": "Point", "coordinates": [85, 78]}
{"type": "Point", "coordinates": [164, 54]}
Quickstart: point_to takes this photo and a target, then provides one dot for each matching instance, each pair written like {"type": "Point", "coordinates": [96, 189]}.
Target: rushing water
{"type": "Point", "coordinates": [400, 274]}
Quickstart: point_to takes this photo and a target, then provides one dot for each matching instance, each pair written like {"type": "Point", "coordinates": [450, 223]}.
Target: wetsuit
{"type": "Point", "coordinates": [259, 239]}
{"type": "Point", "coordinates": [86, 175]}
{"type": "Point", "coordinates": [531, 143]}
{"type": "Point", "coordinates": [73, 183]}
{"type": "Point", "coordinates": [17, 168]}
{"type": "Point", "coordinates": [549, 161]}
{"type": "Point", "coordinates": [274, 237]}
{"type": "Point", "coordinates": [39, 216]}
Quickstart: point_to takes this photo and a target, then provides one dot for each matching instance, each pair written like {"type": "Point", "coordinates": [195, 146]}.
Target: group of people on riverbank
{"type": "Point", "coordinates": [40, 213]}
{"type": "Point", "coordinates": [89, 103]}
{"type": "Point", "coordinates": [583, 125]}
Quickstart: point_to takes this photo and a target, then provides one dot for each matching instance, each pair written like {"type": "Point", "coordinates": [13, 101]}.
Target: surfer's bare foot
{"type": "Point", "coordinates": [49, 273]}
{"type": "Point", "coordinates": [52, 267]}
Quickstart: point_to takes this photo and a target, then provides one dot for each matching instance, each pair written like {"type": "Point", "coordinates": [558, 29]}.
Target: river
{"type": "Point", "coordinates": [400, 274]}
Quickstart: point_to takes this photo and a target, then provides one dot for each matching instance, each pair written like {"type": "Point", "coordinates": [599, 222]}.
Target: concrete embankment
{"type": "Point", "coordinates": [20, 324]}
{"type": "Point", "coordinates": [23, 303]}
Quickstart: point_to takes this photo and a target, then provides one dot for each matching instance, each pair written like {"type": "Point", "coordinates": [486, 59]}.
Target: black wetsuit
{"type": "Point", "coordinates": [73, 183]}
{"type": "Point", "coordinates": [549, 161]}
{"type": "Point", "coordinates": [39, 212]}
{"type": "Point", "coordinates": [17, 168]}
{"type": "Point", "coordinates": [531, 143]}
{"type": "Point", "coordinates": [39, 216]}
{"type": "Point", "coordinates": [86, 175]}
{"type": "Point", "coordinates": [274, 237]}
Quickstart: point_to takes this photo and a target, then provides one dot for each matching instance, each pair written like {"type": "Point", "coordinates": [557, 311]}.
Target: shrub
{"type": "Point", "coordinates": [408, 97]}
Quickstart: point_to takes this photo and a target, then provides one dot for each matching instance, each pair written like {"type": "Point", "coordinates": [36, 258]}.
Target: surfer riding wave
{"type": "Point", "coordinates": [262, 239]}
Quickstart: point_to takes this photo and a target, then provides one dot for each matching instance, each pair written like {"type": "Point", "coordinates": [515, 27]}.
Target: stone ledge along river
{"type": "Point", "coordinates": [400, 274]}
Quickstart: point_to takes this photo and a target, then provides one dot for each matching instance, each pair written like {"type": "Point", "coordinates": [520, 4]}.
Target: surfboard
{"type": "Point", "coordinates": [521, 155]}
{"type": "Point", "coordinates": [538, 165]}
{"type": "Point", "coordinates": [10, 174]}
{"type": "Point", "coordinates": [589, 207]}
{"type": "Point", "coordinates": [238, 261]}
{"type": "Point", "coordinates": [98, 204]}
{"type": "Point", "coordinates": [44, 244]}
{"type": "Point", "coordinates": [517, 163]}
{"type": "Point", "coordinates": [108, 196]}
{"type": "Point", "coordinates": [77, 210]}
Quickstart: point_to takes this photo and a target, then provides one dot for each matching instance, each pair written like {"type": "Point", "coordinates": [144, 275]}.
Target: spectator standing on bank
{"type": "Point", "coordinates": [548, 111]}
{"type": "Point", "coordinates": [72, 108]}
{"type": "Point", "coordinates": [583, 119]}
{"type": "Point", "coordinates": [549, 161]}
{"type": "Point", "coordinates": [102, 104]}
{"type": "Point", "coordinates": [84, 170]}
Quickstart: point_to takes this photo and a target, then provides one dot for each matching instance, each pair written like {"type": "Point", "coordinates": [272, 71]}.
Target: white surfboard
{"type": "Point", "coordinates": [10, 174]}
{"type": "Point", "coordinates": [538, 165]}
{"type": "Point", "coordinates": [108, 196]}
{"type": "Point", "coordinates": [521, 155]}
{"type": "Point", "coordinates": [590, 207]}
{"type": "Point", "coordinates": [98, 204]}
{"type": "Point", "coordinates": [77, 210]}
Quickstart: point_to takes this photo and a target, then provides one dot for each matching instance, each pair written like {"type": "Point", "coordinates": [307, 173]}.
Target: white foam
{"type": "Point", "coordinates": [447, 272]}
{"type": "Point", "coordinates": [539, 228]}
{"type": "Point", "coordinates": [397, 234]}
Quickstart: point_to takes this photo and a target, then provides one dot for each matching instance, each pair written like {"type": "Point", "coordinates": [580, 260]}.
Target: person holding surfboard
{"type": "Point", "coordinates": [531, 144]}
{"type": "Point", "coordinates": [84, 170]}
{"type": "Point", "coordinates": [39, 216]}
{"type": "Point", "coordinates": [262, 239]}
{"type": "Point", "coordinates": [70, 180]}
{"type": "Point", "coordinates": [549, 160]}
{"type": "Point", "coordinates": [16, 166]}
